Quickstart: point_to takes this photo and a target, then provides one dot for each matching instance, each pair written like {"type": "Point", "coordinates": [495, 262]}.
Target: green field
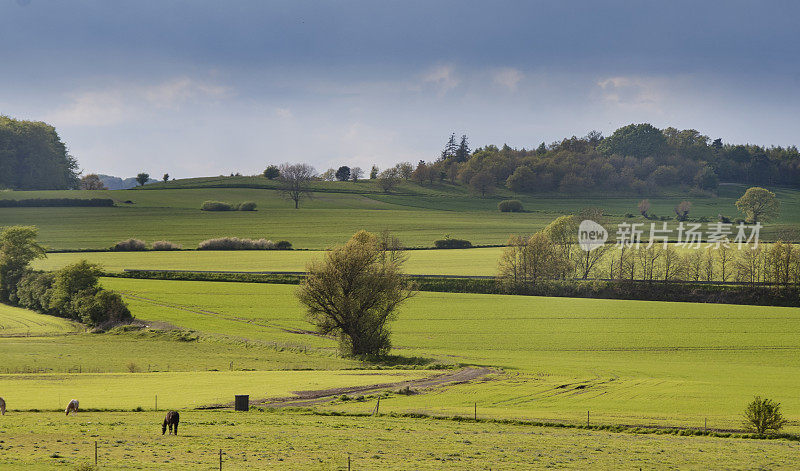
{"type": "Point", "coordinates": [627, 361]}
{"type": "Point", "coordinates": [418, 216]}
{"type": "Point", "coordinates": [298, 441]}
{"type": "Point", "coordinates": [16, 322]}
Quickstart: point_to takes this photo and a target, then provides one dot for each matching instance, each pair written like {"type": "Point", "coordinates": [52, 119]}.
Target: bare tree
{"type": "Point", "coordinates": [294, 182]}
{"type": "Point", "coordinates": [356, 173]}
{"type": "Point", "coordinates": [355, 291]}
{"type": "Point", "coordinates": [644, 207]}
{"type": "Point", "coordinates": [682, 210]}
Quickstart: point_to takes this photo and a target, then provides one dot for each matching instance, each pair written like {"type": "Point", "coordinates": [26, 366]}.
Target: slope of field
{"type": "Point", "coordinates": [626, 361]}
{"type": "Point", "coordinates": [176, 389]}
{"type": "Point", "coordinates": [418, 216]}
{"type": "Point", "coordinates": [294, 441]}
{"type": "Point", "coordinates": [479, 261]}
{"type": "Point", "coordinates": [17, 322]}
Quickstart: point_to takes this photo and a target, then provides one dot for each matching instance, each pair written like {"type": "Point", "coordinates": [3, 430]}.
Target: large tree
{"type": "Point", "coordinates": [142, 178]}
{"type": "Point", "coordinates": [355, 291]}
{"type": "Point", "coordinates": [758, 204]}
{"type": "Point", "coordinates": [295, 182]}
{"type": "Point", "coordinates": [635, 140]}
{"type": "Point", "coordinates": [18, 247]}
{"type": "Point", "coordinates": [92, 182]}
{"type": "Point", "coordinates": [343, 173]}
{"type": "Point", "coordinates": [32, 157]}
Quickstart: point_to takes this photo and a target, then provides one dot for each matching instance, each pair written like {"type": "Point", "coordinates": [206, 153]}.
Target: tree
{"type": "Point", "coordinates": [587, 261]}
{"type": "Point", "coordinates": [483, 183]}
{"type": "Point", "coordinates": [355, 291]}
{"type": "Point", "coordinates": [563, 233]}
{"type": "Point", "coordinates": [462, 152]}
{"type": "Point", "coordinates": [373, 173]}
{"type": "Point", "coordinates": [522, 180]}
{"type": "Point", "coordinates": [328, 175]}
{"type": "Point", "coordinates": [636, 140]}
{"type": "Point", "coordinates": [18, 247]}
{"type": "Point", "coordinates": [450, 149]}
{"type": "Point", "coordinates": [525, 262]}
{"type": "Point", "coordinates": [682, 210]}
{"type": "Point", "coordinates": [79, 279]}
{"type": "Point", "coordinates": [142, 178]}
{"type": "Point", "coordinates": [33, 157]}
{"type": "Point", "coordinates": [404, 170]}
{"type": "Point", "coordinates": [92, 182]}
{"type": "Point", "coordinates": [644, 207]}
{"type": "Point", "coordinates": [165, 178]}
{"type": "Point", "coordinates": [758, 204]}
{"type": "Point", "coordinates": [763, 415]}
{"type": "Point", "coordinates": [706, 179]}
{"type": "Point", "coordinates": [388, 179]}
{"type": "Point", "coordinates": [356, 173]}
{"type": "Point", "coordinates": [295, 182]}
{"type": "Point", "coordinates": [343, 173]}
{"type": "Point", "coordinates": [272, 172]}
{"type": "Point", "coordinates": [421, 173]}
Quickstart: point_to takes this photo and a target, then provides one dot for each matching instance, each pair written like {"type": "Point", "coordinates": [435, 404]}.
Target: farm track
{"type": "Point", "coordinates": [320, 396]}
{"type": "Point", "coordinates": [205, 312]}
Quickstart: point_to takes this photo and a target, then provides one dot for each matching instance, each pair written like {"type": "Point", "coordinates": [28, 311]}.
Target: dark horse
{"type": "Point", "coordinates": [171, 420]}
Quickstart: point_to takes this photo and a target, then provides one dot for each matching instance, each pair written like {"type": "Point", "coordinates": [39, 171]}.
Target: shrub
{"type": "Point", "coordinates": [247, 206]}
{"type": "Point", "coordinates": [235, 243]}
{"type": "Point", "coordinates": [33, 291]}
{"type": "Point", "coordinates": [763, 415]}
{"type": "Point", "coordinates": [452, 244]}
{"type": "Point", "coordinates": [130, 245]}
{"type": "Point", "coordinates": [216, 206]}
{"type": "Point", "coordinates": [56, 202]}
{"type": "Point", "coordinates": [100, 308]}
{"type": "Point", "coordinates": [165, 245]}
{"type": "Point", "coordinates": [510, 206]}
{"type": "Point", "coordinates": [283, 245]}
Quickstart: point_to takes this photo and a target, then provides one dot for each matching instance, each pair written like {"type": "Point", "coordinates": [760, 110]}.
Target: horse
{"type": "Point", "coordinates": [72, 407]}
{"type": "Point", "coordinates": [171, 420]}
{"type": "Point", "coordinates": [2, 406]}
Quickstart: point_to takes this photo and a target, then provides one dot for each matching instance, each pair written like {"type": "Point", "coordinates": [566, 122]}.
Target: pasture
{"type": "Point", "coordinates": [302, 441]}
{"type": "Point", "coordinates": [627, 361]}
{"type": "Point", "coordinates": [418, 215]}
{"type": "Point", "coordinates": [17, 322]}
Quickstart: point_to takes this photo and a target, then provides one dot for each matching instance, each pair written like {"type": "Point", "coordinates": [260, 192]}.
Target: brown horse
{"type": "Point", "coordinates": [171, 421]}
{"type": "Point", "coordinates": [2, 406]}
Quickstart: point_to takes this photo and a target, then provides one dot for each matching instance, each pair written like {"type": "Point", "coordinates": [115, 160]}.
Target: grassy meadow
{"type": "Point", "coordinates": [636, 363]}
{"type": "Point", "coordinates": [418, 215]}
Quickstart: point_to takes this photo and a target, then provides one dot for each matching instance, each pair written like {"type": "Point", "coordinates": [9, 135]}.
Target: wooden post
{"type": "Point", "coordinates": [705, 426]}
{"type": "Point", "coordinates": [95, 453]}
{"type": "Point", "coordinates": [220, 459]}
{"type": "Point", "coordinates": [156, 402]}
{"type": "Point", "coordinates": [587, 418]}
{"type": "Point", "coordinates": [475, 415]}
{"type": "Point", "coordinates": [348, 462]}
{"type": "Point", "coordinates": [377, 406]}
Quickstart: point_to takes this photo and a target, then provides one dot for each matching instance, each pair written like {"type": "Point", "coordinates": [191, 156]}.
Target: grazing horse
{"type": "Point", "coordinates": [72, 406]}
{"type": "Point", "coordinates": [2, 406]}
{"type": "Point", "coordinates": [171, 420]}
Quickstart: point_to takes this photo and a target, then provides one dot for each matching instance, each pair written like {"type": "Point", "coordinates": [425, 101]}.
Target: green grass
{"type": "Point", "coordinates": [481, 261]}
{"type": "Point", "coordinates": [626, 361]}
{"type": "Point", "coordinates": [16, 322]}
{"type": "Point", "coordinates": [418, 216]}
{"type": "Point", "coordinates": [258, 440]}
{"type": "Point", "coordinates": [176, 389]}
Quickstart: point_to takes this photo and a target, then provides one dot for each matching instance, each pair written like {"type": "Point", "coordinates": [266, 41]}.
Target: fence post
{"type": "Point", "coordinates": [377, 406]}
{"type": "Point", "coordinates": [348, 462]}
{"type": "Point", "coordinates": [705, 424]}
{"type": "Point", "coordinates": [156, 402]}
{"type": "Point", "coordinates": [475, 415]}
{"type": "Point", "coordinates": [95, 453]}
{"type": "Point", "coordinates": [220, 459]}
{"type": "Point", "coordinates": [587, 418]}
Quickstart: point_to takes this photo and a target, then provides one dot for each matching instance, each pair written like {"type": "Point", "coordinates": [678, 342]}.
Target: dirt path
{"type": "Point", "coordinates": [319, 396]}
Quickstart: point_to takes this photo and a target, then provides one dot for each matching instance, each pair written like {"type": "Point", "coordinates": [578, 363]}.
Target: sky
{"type": "Point", "coordinates": [197, 88]}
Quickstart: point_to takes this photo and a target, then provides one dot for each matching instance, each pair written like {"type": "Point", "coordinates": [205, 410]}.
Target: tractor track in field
{"type": "Point", "coordinates": [315, 397]}
{"type": "Point", "coordinates": [219, 315]}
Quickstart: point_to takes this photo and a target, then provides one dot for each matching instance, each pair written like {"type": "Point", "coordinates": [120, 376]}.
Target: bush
{"type": "Point", "coordinates": [247, 206]}
{"type": "Point", "coordinates": [452, 244]}
{"type": "Point", "coordinates": [283, 245]}
{"type": "Point", "coordinates": [763, 415]}
{"type": "Point", "coordinates": [165, 245]}
{"type": "Point", "coordinates": [235, 243]}
{"type": "Point", "coordinates": [510, 206]}
{"type": "Point", "coordinates": [130, 245]}
{"type": "Point", "coordinates": [33, 291]}
{"type": "Point", "coordinates": [216, 206]}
